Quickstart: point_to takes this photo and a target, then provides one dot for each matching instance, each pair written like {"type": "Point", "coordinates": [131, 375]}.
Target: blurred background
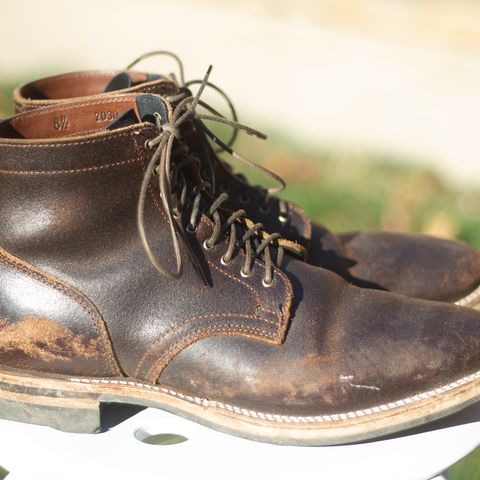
{"type": "Point", "coordinates": [372, 107]}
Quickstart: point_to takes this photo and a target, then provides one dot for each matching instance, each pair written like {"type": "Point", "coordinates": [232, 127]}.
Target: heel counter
{"type": "Point", "coordinates": [48, 326]}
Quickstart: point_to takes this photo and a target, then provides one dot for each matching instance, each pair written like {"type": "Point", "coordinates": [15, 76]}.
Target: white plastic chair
{"type": "Point", "coordinates": [34, 452]}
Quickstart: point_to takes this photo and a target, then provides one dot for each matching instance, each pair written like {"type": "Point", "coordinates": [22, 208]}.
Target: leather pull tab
{"type": "Point", "coordinates": [119, 82]}
{"type": "Point", "coordinates": [148, 105]}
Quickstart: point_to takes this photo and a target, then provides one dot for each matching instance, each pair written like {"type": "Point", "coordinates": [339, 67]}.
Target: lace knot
{"type": "Point", "coordinates": [172, 129]}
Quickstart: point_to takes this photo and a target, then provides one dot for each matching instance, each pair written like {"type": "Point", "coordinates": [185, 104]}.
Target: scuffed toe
{"type": "Point", "coordinates": [414, 265]}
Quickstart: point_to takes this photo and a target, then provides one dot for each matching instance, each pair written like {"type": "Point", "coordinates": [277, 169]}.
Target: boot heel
{"type": "Point", "coordinates": [76, 415]}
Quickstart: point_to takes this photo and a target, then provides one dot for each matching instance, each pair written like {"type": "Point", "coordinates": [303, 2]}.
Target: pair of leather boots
{"type": "Point", "coordinates": [136, 267]}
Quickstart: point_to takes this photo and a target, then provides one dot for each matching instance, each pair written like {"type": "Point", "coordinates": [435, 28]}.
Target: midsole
{"type": "Point", "coordinates": [132, 388]}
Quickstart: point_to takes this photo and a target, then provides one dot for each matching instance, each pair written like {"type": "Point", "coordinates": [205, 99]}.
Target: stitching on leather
{"type": "Point", "coordinates": [158, 366]}
{"type": "Point", "coordinates": [289, 294]}
{"type": "Point", "coordinates": [64, 107]}
{"type": "Point", "coordinates": [85, 73]}
{"type": "Point", "coordinates": [143, 159]}
{"type": "Point", "coordinates": [178, 326]}
{"type": "Point", "coordinates": [94, 316]}
{"type": "Point", "coordinates": [22, 103]}
{"type": "Point", "coordinates": [204, 402]}
{"type": "Point", "coordinates": [240, 281]}
{"type": "Point", "coordinates": [20, 108]}
{"type": "Point", "coordinates": [155, 201]}
{"type": "Point", "coordinates": [307, 224]}
{"type": "Point", "coordinates": [255, 293]}
{"type": "Point", "coordinates": [72, 170]}
{"type": "Point", "coordinates": [154, 88]}
{"type": "Point", "coordinates": [174, 328]}
{"type": "Point", "coordinates": [63, 141]}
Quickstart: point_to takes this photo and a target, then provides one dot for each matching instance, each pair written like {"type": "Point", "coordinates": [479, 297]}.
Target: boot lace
{"type": "Point", "coordinates": [209, 156]}
{"type": "Point", "coordinates": [169, 162]}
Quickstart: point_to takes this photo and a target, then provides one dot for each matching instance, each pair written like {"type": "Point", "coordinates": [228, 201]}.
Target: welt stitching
{"type": "Point", "coordinates": [176, 327]}
{"type": "Point", "coordinates": [196, 335]}
{"type": "Point", "coordinates": [69, 293]}
{"type": "Point", "coordinates": [204, 402]}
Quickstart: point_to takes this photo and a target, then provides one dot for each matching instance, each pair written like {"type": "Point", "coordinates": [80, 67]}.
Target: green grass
{"type": "Point", "coordinates": [466, 469]}
{"type": "Point", "coordinates": [348, 191]}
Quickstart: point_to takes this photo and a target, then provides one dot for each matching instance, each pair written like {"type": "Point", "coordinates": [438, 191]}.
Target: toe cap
{"type": "Point", "coordinates": [415, 265]}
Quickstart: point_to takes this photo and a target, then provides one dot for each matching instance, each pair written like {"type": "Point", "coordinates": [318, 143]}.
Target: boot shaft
{"type": "Point", "coordinates": [68, 207]}
{"type": "Point", "coordinates": [277, 216]}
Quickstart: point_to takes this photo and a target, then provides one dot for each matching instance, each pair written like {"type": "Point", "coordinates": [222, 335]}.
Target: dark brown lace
{"type": "Point", "coordinates": [219, 118]}
{"type": "Point", "coordinates": [240, 232]}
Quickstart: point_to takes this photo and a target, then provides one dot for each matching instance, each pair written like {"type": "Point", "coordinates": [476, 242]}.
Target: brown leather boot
{"type": "Point", "coordinates": [414, 265]}
{"type": "Point", "coordinates": [93, 196]}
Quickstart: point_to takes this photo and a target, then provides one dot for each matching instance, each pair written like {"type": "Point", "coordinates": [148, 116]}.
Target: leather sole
{"type": "Point", "coordinates": [74, 405]}
{"type": "Point", "coordinates": [472, 300]}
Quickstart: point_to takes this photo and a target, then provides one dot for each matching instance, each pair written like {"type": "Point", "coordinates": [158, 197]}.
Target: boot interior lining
{"type": "Point", "coordinates": [67, 120]}
{"type": "Point", "coordinates": [73, 85]}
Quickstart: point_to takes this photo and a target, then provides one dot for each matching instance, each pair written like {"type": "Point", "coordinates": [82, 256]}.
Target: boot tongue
{"type": "Point", "coordinates": [146, 106]}
{"type": "Point", "coordinates": [124, 80]}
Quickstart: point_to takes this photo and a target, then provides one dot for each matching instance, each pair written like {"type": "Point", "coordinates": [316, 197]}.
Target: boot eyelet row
{"type": "Point", "coordinates": [245, 275]}
{"type": "Point", "coordinates": [265, 284]}
{"type": "Point", "coordinates": [207, 247]}
{"type": "Point", "coordinates": [224, 262]}
{"type": "Point", "coordinates": [264, 209]}
{"type": "Point", "coordinates": [244, 198]}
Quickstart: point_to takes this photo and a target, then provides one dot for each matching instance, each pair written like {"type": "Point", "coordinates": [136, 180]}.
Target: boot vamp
{"type": "Point", "coordinates": [416, 265]}
{"type": "Point", "coordinates": [346, 348]}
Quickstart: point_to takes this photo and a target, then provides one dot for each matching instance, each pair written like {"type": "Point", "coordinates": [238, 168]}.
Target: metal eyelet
{"type": "Point", "coordinates": [222, 187]}
{"type": "Point", "coordinates": [190, 228]}
{"type": "Point", "coordinates": [265, 284]}
{"type": "Point", "coordinates": [283, 218]}
{"type": "Point", "coordinates": [244, 198]}
{"type": "Point", "coordinates": [224, 262]}
{"type": "Point", "coordinates": [207, 247]}
{"type": "Point", "coordinates": [147, 144]}
{"type": "Point", "coordinates": [245, 275]}
{"type": "Point", "coordinates": [264, 209]}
